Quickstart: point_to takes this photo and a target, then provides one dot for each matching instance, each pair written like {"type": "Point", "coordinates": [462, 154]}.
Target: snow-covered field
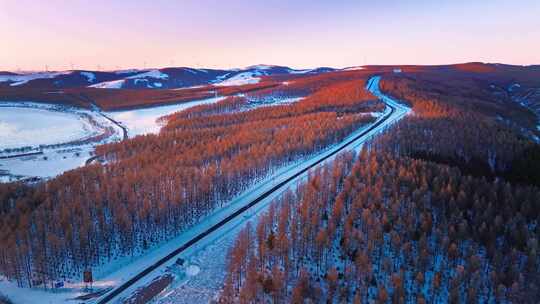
{"type": "Point", "coordinates": [113, 84]}
{"type": "Point", "coordinates": [145, 121]}
{"type": "Point", "coordinates": [241, 79]}
{"type": "Point", "coordinates": [26, 124]}
{"type": "Point", "coordinates": [21, 79]}
{"type": "Point", "coordinates": [64, 136]}
{"type": "Point", "coordinates": [34, 126]}
{"type": "Point", "coordinates": [146, 76]}
{"type": "Point", "coordinates": [50, 164]}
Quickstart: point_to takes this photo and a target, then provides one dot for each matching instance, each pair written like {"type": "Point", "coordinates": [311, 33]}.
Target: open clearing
{"type": "Point", "coordinates": [145, 121]}
{"type": "Point", "coordinates": [21, 127]}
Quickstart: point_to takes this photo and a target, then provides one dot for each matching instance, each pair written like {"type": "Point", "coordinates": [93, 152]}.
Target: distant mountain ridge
{"type": "Point", "coordinates": [186, 77]}
{"type": "Point", "coordinates": [164, 78]}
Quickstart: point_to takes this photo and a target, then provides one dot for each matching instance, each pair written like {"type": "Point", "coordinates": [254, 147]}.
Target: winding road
{"type": "Point", "coordinates": [394, 112]}
{"type": "Point", "coordinates": [98, 110]}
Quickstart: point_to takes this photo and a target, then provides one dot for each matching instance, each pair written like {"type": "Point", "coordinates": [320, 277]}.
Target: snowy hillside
{"type": "Point", "coordinates": [165, 78]}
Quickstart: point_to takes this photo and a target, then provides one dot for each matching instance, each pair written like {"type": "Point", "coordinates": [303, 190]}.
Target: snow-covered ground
{"type": "Point", "coordinates": [49, 164]}
{"type": "Point", "coordinates": [21, 79]}
{"type": "Point", "coordinates": [145, 121]}
{"type": "Point", "coordinates": [20, 126]}
{"type": "Point", "coordinates": [89, 75]}
{"type": "Point", "coordinates": [62, 134]}
{"type": "Point", "coordinates": [241, 79]}
{"type": "Point", "coordinates": [146, 75]}
{"type": "Point", "coordinates": [157, 74]}
{"type": "Point", "coordinates": [113, 84]}
{"type": "Point", "coordinates": [27, 124]}
{"type": "Point", "coordinates": [353, 68]}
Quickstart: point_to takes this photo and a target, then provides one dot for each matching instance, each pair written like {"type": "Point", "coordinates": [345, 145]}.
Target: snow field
{"type": "Point", "coordinates": [33, 127]}
{"type": "Point", "coordinates": [143, 76]}
{"type": "Point", "coordinates": [34, 124]}
{"type": "Point", "coordinates": [241, 79]}
{"type": "Point", "coordinates": [21, 79]}
{"type": "Point", "coordinates": [113, 84]}
{"type": "Point", "coordinates": [145, 121]}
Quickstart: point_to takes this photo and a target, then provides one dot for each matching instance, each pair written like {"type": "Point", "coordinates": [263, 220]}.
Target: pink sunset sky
{"type": "Point", "coordinates": [225, 34]}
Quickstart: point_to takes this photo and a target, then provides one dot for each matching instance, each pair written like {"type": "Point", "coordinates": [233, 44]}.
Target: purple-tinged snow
{"type": "Point", "coordinates": [353, 68]}
{"type": "Point", "coordinates": [21, 79]}
{"type": "Point", "coordinates": [62, 134]}
{"type": "Point", "coordinates": [23, 126]}
{"type": "Point", "coordinates": [241, 79]}
{"type": "Point", "coordinates": [146, 120]}
{"type": "Point", "coordinates": [91, 77]}
{"type": "Point", "coordinates": [113, 84]}
{"type": "Point", "coordinates": [148, 76]}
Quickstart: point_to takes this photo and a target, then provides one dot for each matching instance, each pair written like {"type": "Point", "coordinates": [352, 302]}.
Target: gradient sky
{"type": "Point", "coordinates": [237, 33]}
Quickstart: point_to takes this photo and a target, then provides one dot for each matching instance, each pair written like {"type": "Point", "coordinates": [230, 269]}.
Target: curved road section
{"type": "Point", "coordinates": [214, 228]}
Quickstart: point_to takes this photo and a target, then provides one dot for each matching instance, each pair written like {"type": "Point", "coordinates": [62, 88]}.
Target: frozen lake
{"type": "Point", "coordinates": [145, 121]}
{"type": "Point", "coordinates": [31, 124]}
{"type": "Point", "coordinates": [21, 127]}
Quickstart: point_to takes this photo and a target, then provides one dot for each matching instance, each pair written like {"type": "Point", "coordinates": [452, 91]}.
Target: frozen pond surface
{"type": "Point", "coordinates": [145, 121]}
{"type": "Point", "coordinates": [33, 127]}
{"type": "Point", "coordinates": [61, 137]}
{"type": "Point", "coordinates": [27, 124]}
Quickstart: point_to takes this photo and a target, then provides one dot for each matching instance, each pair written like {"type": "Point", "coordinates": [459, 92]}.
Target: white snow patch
{"type": "Point", "coordinates": [187, 88]}
{"type": "Point", "coordinates": [47, 165]}
{"type": "Point", "coordinates": [113, 84]}
{"type": "Point", "coordinates": [354, 68]}
{"type": "Point", "coordinates": [89, 75]}
{"type": "Point", "coordinates": [241, 79]}
{"type": "Point", "coordinates": [28, 124]}
{"type": "Point", "coordinates": [221, 77]}
{"type": "Point", "coordinates": [291, 71]}
{"type": "Point", "coordinates": [24, 78]}
{"type": "Point", "coordinates": [260, 67]}
{"type": "Point", "coordinates": [21, 127]}
{"type": "Point", "coordinates": [145, 121]}
{"type": "Point", "coordinates": [151, 74]}
{"type": "Point", "coordinates": [513, 87]}
{"type": "Point", "coordinates": [118, 84]}
{"type": "Point", "coordinates": [193, 270]}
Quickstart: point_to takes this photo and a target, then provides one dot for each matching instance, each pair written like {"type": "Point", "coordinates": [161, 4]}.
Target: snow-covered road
{"type": "Point", "coordinates": [205, 245]}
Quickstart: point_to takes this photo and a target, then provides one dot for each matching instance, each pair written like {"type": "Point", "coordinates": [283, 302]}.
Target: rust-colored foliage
{"type": "Point", "coordinates": [155, 186]}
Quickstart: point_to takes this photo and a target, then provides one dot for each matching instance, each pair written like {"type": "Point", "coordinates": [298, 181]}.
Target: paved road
{"type": "Point", "coordinates": [397, 111]}
{"type": "Point", "coordinates": [100, 112]}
